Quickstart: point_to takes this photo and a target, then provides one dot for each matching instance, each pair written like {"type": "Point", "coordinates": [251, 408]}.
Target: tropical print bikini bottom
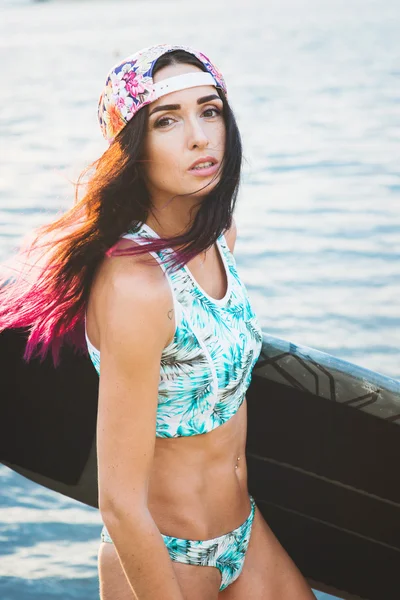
{"type": "Point", "coordinates": [226, 552]}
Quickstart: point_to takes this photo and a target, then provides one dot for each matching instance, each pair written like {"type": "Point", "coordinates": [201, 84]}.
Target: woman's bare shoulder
{"type": "Point", "coordinates": [127, 286]}
{"type": "Point", "coordinates": [230, 235]}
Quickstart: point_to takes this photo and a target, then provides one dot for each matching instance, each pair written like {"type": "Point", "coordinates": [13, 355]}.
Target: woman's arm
{"type": "Point", "coordinates": [132, 315]}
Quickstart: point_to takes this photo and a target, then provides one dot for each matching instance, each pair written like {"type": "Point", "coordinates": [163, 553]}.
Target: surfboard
{"type": "Point", "coordinates": [322, 452]}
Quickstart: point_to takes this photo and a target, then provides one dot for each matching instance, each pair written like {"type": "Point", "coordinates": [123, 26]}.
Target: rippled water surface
{"type": "Point", "coordinates": [315, 86]}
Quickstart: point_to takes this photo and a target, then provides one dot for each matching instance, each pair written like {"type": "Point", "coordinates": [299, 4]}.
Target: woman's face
{"type": "Point", "coordinates": [179, 135]}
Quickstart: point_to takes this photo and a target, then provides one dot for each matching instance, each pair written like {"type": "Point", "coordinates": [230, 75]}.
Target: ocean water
{"type": "Point", "coordinates": [315, 86]}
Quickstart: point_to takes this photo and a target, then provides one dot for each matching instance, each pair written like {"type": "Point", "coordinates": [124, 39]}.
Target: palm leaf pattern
{"type": "Point", "coordinates": [226, 552]}
{"type": "Point", "coordinates": [206, 370]}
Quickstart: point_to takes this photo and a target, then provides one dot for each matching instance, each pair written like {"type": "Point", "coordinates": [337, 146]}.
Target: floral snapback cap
{"type": "Point", "coordinates": [129, 86]}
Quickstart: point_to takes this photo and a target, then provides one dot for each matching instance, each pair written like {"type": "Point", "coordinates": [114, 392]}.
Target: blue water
{"type": "Point", "coordinates": [316, 89]}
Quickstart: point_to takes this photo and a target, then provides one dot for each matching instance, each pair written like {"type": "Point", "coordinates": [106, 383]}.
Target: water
{"type": "Point", "coordinates": [315, 87]}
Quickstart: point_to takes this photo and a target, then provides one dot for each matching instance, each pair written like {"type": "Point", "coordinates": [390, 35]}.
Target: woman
{"type": "Point", "coordinates": [147, 266]}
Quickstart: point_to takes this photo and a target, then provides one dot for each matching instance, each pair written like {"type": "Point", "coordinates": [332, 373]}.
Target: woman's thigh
{"type": "Point", "coordinates": [112, 580]}
{"type": "Point", "coordinates": [196, 582]}
{"type": "Point", "coordinates": [268, 571]}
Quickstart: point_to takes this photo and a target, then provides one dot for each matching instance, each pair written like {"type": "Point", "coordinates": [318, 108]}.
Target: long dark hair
{"type": "Point", "coordinates": [52, 303]}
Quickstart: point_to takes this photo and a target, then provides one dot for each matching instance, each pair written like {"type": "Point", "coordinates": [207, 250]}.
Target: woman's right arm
{"type": "Point", "coordinates": [132, 315]}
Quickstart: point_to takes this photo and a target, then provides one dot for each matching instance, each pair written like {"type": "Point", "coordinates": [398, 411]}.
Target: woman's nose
{"type": "Point", "coordinates": [196, 134]}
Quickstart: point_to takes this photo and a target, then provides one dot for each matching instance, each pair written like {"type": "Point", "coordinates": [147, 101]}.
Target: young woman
{"type": "Point", "coordinates": [142, 271]}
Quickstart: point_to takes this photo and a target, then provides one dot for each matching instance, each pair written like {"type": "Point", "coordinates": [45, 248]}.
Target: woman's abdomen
{"type": "Point", "coordinates": [198, 484]}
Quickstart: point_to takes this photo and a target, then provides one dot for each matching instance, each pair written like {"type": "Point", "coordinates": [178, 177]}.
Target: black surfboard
{"type": "Point", "coordinates": [322, 451]}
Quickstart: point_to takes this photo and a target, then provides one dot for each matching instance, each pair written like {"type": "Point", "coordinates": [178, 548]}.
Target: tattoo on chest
{"type": "Point", "coordinates": [170, 313]}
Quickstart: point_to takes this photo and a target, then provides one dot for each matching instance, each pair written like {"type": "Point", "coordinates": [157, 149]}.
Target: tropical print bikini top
{"type": "Point", "coordinates": [206, 369]}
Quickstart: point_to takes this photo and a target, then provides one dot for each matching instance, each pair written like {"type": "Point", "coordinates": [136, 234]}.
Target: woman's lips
{"type": "Point", "coordinates": [205, 171]}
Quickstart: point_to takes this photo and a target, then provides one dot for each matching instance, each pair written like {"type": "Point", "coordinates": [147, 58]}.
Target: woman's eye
{"type": "Point", "coordinates": [218, 112]}
{"type": "Point", "coordinates": [163, 122]}
{"type": "Point", "coordinates": [160, 121]}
